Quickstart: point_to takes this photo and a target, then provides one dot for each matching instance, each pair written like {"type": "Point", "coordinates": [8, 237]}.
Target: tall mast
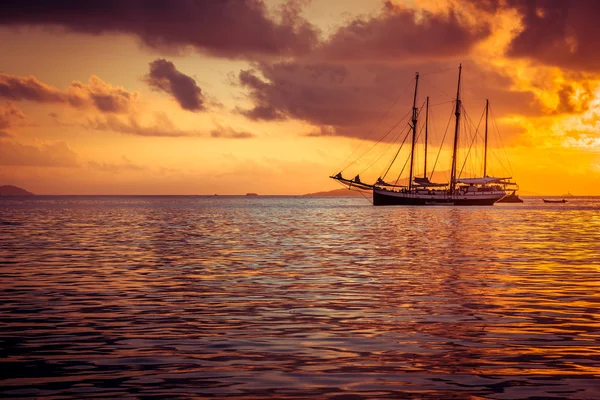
{"type": "Point", "coordinates": [457, 114]}
{"type": "Point", "coordinates": [487, 103]}
{"type": "Point", "coordinates": [414, 132]}
{"type": "Point", "coordinates": [426, 123]}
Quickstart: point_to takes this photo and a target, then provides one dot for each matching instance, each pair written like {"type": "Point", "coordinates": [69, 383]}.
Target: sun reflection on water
{"type": "Point", "coordinates": [297, 298]}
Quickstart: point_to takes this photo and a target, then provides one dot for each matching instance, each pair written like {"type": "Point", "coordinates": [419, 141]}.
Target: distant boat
{"type": "Point", "coordinates": [510, 198]}
{"type": "Point", "coordinates": [554, 201]}
{"type": "Point", "coordinates": [251, 194]}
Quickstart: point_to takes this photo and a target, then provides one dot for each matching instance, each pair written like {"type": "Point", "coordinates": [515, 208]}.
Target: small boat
{"type": "Point", "coordinates": [554, 201]}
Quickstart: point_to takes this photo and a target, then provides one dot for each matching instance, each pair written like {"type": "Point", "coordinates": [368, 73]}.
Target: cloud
{"type": "Point", "coordinates": [101, 95]}
{"type": "Point", "coordinates": [165, 77]}
{"type": "Point", "coordinates": [553, 32]}
{"type": "Point", "coordinates": [56, 154]}
{"type": "Point", "coordinates": [402, 34]}
{"type": "Point", "coordinates": [125, 165]}
{"type": "Point", "coordinates": [321, 131]}
{"type": "Point", "coordinates": [349, 100]}
{"type": "Point", "coordinates": [318, 93]}
{"type": "Point", "coordinates": [29, 88]}
{"type": "Point", "coordinates": [94, 94]}
{"type": "Point", "coordinates": [230, 133]}
{"type": "Point", "coordinates": [573, 98]}
{"type": "Point", "coordinates": [10, 116]}
{"type": "Point", "coordinates": [162, 126]}
{"type": "Point", "coordinates": [559, 33]}
{"type": "Point", "coordinates": [228, 28]}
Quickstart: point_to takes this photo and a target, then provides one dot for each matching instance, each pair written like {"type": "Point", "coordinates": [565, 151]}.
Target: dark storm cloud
{"type": "Point", "coordinates": [562, 33]}
{"type": "Point", "coordinates": [165, 77]}
{"type": "Point", "coordinates": [352, 78]}
{"type": "Point", "coordinates": [229, 28]}
{"type": "Point", "coordinates": [555, 32]}
{"type": "Point", "coordinates": [96, 93]}
{"type": "Point", "coordinates": [398, 34]}
{"type": "Point", "coordinates": [337, 98]}
{"type": "Point", "coordinates": [311, 92]}
{"type": "Point", "coordinates": [350, 100]}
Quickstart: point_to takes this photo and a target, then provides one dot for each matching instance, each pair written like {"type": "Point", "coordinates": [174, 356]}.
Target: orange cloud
{"type": "Point", "coordinates": [131, 125]}
{"type": "Point", "coordinates": [56, 154]}
{"type": "Point", "coordinates": [10, 116]}
{"type": "Point", "coordinates": [94, 94]}
{"type": "Point", "coordinates": [230, 133]}
{"type": "Point", "coordinates": [114, 168]}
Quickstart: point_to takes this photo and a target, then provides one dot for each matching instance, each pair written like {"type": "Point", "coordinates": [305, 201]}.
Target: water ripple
{"type": "Point", "coordinates": [235, 297]}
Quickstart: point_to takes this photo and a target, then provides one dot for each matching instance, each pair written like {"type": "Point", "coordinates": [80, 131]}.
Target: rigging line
{"type": "Point", "coordinates": [442, 145]}
{"type": "Point", "coordinates": [398, 152]}
{"type": "Point", "coordinates": [377, 142]}
{"type": "Point", "coordinates": [440, 71]}
{"type": "Point", "coordinates": [358, 190]}
{"type": "Point", "coordinates": [363, 195]}
{"type": "Point", "coordinates": [378, 122]}
{"type": "Point", "coordinates": [439, 104]}
{"type": "Point", "coordinates": [400, 174]}
{"type": "Point", "coordinates": [404, 167]}
{"type": "Point", "coordinates": [416, 161]}
{"type": "Point", "coordinates": [501, 163]}
{"type": "Point", "coordinates": [472, 141]}
{"type": "Point", "coordinates": [510, 170]}
{"type": "Point", "coordinates": [437, 88]}
{"type": "Point", "coordinates": [378, 158]}
{"type": "Point", "coordinates": [383, 153]}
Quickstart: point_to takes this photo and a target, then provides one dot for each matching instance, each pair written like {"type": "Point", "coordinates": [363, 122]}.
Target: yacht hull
{"type": "Point", "coordinates": [391, 198]}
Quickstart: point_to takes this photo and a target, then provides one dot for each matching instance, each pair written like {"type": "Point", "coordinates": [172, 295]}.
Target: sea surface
{"type": "Point", "coordinates": [298, 297]}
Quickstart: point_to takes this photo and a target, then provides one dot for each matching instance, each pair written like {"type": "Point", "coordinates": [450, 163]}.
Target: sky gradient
{"type": "Point", "coordinates": [236, 96]}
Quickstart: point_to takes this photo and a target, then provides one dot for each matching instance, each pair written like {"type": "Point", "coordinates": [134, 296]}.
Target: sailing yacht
{"type": "Point", "coordinates": [481, 191]}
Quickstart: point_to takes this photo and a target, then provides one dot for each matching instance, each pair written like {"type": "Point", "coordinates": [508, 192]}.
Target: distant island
{"type": "Point", "coordinates": [10, 190]}
{"type": "Point", "coordinates": [338, 192]}
{"type": "Point", "coordinates": [251, 194]}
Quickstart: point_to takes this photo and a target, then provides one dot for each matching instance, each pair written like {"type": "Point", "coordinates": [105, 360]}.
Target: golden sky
{"type": "Point", "coordinates": [272, 97]}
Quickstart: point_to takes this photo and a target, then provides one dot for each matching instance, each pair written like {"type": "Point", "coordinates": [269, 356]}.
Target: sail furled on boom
{"type": "Point", "coordinates": [482, 181]}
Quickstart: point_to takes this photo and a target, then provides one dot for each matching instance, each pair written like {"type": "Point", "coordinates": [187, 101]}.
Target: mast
{"type": "Point", "coordinates": [457, 114]}
{"type": "Point", "coordinates": [487, 102]}
{"type": "Point", "coordinates": [414, 132]}
{"type": "Point", "coordinates": [426, 123]}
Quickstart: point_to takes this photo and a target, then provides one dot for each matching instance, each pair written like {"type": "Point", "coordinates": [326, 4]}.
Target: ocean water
{"type": "Point", "coordinates": [298, 297]}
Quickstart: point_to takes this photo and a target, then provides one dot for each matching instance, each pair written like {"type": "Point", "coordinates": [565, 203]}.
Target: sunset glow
{"type": "Point", "coordinates": [272, 97]}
